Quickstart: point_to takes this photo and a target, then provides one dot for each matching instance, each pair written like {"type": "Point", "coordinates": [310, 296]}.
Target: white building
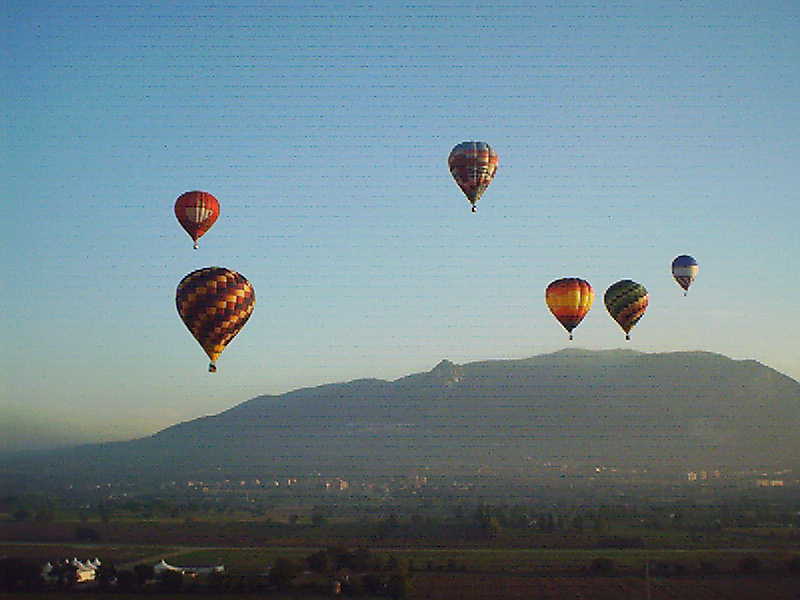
{"type": "Point", "coordinates": [162, 567]}
{"type": "Point", "coordinates": [84, 571]}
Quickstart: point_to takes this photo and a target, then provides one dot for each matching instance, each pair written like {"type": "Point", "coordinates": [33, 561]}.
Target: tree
{"type": "Point", "coordinates": [104, 513]}
{"type": "Point", "coordinates": [126, 581]}
{"type": "Point", "coordinates": [577, 523]}
{"type": "Point", "coordinates": [603, 566]}
{"type": "Point", "coordinates": [750, 565]}
{"type": "Point", "coordinates": [216, 581]}
{"type": "Point", "coordinates": [18, 574]}
{"type": "Point", "coordinates": [793, 564]}
{"type": "Point", "coordinates": [363, 560]}
{"type": "Point", "coordinates": [354, 586]}
{"type": "Point", "coordinates": [399, 586]}
{"type": "Point", "coordinates": [397, 565]}
{"type": "Point", "coordinates": [104, 575]}
{"type": "Point", "coordinates": [386, 527]}
{"type": "Point", "coordinates": [21, 514]}
{"type": "Point", "coordinates": [144, 573]}
{"type": "Point", "coordinates": [171, 581]}
{"type": "Point", "coordinates": [44, 515]}
{"type": "Point", "coordinates": [707, 567]}
{"type": "Point", "coordinates": [487, 523]}
{"type": "Point", "coordinates": [282, 572]}
{"type": "Point", "coordinates": [67, 575]}
{"type": "Point", "coordinates": [86, 534]}
{"type": "Point", "coordinates": [491, 528]}
{"type": "Point", "coordinates": [319, 561]}
{"type": "Point", "coordinates": [372, 583]}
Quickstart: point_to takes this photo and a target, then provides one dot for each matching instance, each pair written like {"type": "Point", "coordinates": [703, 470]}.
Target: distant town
{"type": "Point", "coordinates": [544, 484]}
{"type": "Point", "coordinates": [415, 536]}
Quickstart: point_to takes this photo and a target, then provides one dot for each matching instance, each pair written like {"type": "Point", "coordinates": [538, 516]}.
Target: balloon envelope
{"type": "Point", "coordinates": [626, 302]}
{"type": "Point", "coordinates": [196, 212]}
{"type": "Point", "coordinates": [214, 303]}
{"type": "Point", "coordinates": [684, 270]}
{"type": "Point", "coordinates": [473, 165]}
{"type": "Point", "coordinates": [569, 300]}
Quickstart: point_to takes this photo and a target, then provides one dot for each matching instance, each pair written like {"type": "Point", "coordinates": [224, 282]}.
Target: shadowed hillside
{"type": "Point", "coordinates": [617, 406]}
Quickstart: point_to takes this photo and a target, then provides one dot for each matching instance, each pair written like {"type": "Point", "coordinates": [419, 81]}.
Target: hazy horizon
{"type": "Point", "coordinates": [627, 134]}
{"type": "Point", "coordinates": [30, 432]}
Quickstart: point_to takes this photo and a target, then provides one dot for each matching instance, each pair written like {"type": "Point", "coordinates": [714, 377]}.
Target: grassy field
{"type": "Point", "coordinates": [138, 596]}
{"type": "Point", "coordinates": [537, 562]}
{"type": "Point", "coordinates": [477, 574]}
{"type": "Point", "coordinates": [512, 587]}
{"type": "Point", "coordinates": [491, 587]}
{"type": "Point", "coordinates": [515, 564]}
{"type": "Point", "coordinates": [251, 533]}
{"type": "Point", "coordinates": [117, 554]}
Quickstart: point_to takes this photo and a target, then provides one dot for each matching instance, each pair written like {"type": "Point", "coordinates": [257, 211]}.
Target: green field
{"type": "Point", "coordinates": [117, 554]}
{"type": "Point", "coordinates": [538, 562]}
{"type": "Point", "coordinates": [477, 573]}
{"type": "Point", "coordinates": [444, 561]}
{"type": "Point", "coordinates": [138, 596]}
{"type": "Point", "coordinates": [513, 561]}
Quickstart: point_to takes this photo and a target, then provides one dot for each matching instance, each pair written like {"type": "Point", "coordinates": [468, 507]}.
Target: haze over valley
{"type": "Point", "coordinates": [660, 411]}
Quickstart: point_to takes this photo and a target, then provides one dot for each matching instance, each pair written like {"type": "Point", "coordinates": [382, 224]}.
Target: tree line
{"type": "Point", "coordinates": [338, 570]}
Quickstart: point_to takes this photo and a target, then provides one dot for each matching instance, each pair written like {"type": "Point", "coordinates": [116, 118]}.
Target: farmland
{"type": "Point", "coordinates": [676, 552]}
{"type": "Point", "coordinates": [487, 587]}
{"type": "Point", "coordinates": [480, 573]}
{"type": "Point", "coordinates": [556, 588]}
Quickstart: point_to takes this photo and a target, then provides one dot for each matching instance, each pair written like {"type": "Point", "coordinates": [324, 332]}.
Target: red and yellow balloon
{"type": "Point", "coordinates": [569, 299]}
{"type": "Point", "coordinates": [196, 212]}
{"type": "Point", "coordinates": [473, 165]}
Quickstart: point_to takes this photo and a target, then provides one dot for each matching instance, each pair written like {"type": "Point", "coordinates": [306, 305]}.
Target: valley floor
{"type": "Point", "coordinates": [475, 574]}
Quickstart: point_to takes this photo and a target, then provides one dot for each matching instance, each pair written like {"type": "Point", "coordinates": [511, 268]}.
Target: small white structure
{"type": "Point", "coordinates": [84, 571]}
{"type": "Point", "coordinates": [161, 567]}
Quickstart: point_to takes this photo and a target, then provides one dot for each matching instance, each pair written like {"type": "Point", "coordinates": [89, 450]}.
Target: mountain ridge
{"type": "Point", "coordinates": [613, 406]}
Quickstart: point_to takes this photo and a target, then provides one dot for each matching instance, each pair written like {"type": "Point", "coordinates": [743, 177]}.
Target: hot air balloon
{"type": "Point", "coordinates": [214, 303]}
{"type": "Point", "coordinates": [684, 270]}
{"type": "Point", "coordinates": [569, 300]}
{"type": "Point", "coordinates": [473, 165]}
{"type": "Point", "coordinates": [626, 302]}
{"type": "Point", "coordinates": [196, 212]}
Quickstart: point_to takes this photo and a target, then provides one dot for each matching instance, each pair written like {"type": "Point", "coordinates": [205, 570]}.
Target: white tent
{"type": "Point", "coordinates": [163, 566]}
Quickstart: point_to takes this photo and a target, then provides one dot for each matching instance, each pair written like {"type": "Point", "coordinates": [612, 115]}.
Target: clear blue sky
{"type": "Point", "coordinates": [628, 133]}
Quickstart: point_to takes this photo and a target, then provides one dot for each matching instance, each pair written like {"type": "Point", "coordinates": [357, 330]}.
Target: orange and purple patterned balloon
{"type": "Point", "coordinates": [473, 165]}
{"type": "Point", "coordinates": [214, 303]}
{"type": "Point", "coordinates": [626, 302]}
{"type": "Point", "coordinates": [569, 300]}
